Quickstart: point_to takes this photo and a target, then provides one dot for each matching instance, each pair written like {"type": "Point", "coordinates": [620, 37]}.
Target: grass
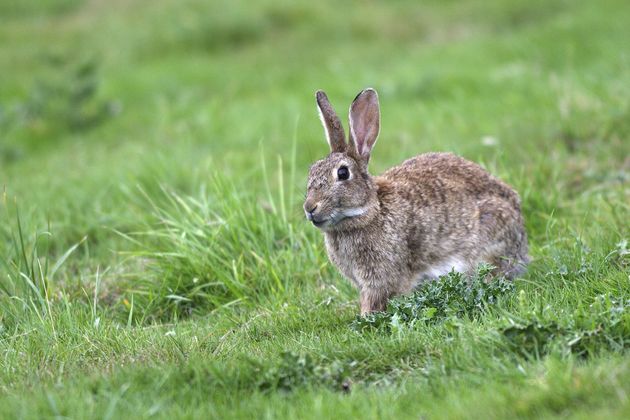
{"type": "Point", "coordinates": [154, 259]}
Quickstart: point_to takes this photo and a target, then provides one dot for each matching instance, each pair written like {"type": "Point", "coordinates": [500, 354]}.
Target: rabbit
{"type": "Point", "coordinates": [431, 214]}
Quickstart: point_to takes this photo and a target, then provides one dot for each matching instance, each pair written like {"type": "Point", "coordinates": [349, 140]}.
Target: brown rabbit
{"type": "Point", "coordinates": [431, 214]}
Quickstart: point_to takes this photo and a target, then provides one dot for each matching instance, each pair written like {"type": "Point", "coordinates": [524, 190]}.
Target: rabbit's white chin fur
{"type": "Point", "coordinates": [339, 215]}
{"type": "Point", "coordinates": [354, 212]}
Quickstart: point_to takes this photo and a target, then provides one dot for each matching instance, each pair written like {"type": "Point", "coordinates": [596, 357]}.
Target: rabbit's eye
{"type": "Point", "coordinates": [343, 173]}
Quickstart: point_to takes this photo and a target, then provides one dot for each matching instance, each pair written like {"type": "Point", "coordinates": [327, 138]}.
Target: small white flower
{"type": "Point", "coordinates": [489, 141]}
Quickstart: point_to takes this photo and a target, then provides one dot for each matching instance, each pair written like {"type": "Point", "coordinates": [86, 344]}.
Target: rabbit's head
{"type": "Point", "coordinates": [340, 192]}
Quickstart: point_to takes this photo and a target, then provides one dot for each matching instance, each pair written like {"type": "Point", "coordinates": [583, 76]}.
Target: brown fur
{"type": "Point", "coordinates": [420, 219]}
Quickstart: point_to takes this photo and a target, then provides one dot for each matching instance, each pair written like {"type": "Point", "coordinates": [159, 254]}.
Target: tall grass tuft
{"type": "Point", "coordinates": [26, 273]}
{"type": "Point", "coordinates": [220, 247]}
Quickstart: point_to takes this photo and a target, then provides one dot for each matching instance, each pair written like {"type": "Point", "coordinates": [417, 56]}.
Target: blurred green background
{"type": "Point", "coordinates": [95, 96]}
{"type": "Point", "coordinates": [142, 125]}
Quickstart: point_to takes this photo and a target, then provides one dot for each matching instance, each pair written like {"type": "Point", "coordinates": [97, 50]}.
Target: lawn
{"type": "Point", "coordinates": [154, 256]}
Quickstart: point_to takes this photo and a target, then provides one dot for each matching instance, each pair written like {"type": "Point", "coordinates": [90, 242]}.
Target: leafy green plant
{"type": "Point", "coordinates": [603, 325]}
{"type": "Point", "coordinates": [452, 295]}
{"type": "Point", "coordinates": [296, 370]}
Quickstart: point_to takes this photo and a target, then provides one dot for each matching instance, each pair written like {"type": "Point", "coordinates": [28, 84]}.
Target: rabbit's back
{"type": "Point", "coordinates": [432, 176]}
{"type": "Point", "coordinates": [453, 213]}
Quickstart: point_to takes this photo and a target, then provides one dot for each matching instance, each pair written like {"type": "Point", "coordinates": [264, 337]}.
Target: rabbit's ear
{"type": "Point", "coordinates": [365, 122]}
{"type": "Point", "coordinates": [332, 125]}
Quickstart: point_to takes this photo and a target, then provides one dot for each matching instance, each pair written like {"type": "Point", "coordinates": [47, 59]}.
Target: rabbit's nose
{"type": "Point", "coordinates": [309, 209]}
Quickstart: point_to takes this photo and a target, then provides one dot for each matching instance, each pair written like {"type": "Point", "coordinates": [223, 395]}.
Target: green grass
{"type": "Point", "coordinates": [154, 258]}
